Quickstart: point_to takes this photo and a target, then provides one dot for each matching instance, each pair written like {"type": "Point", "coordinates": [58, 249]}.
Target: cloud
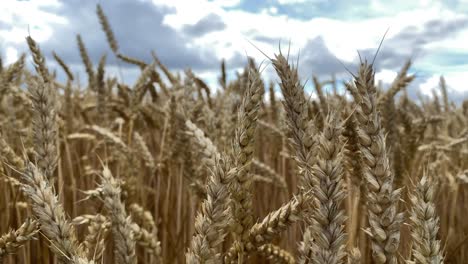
{"type": "Point", "coordinates": [423, 87]}
{"type": "Point", "coordinates": [209, 23]}
{"type": "Point", "coordinates": [454, 81]}
{"type": "Point", "coordinates": [138, 27]}
{"type": "Point", "coordinates": [266, 39]}
{"type": "Point", "coordinates": [5, 26]}
{"type": "Point", "coordinates": [315, 58]}
{"type": "Point", "coordinates": [228, 3]}
{"type": "Point", "coordinates": [412, 41]}
{"type": "Point", "coordinates": [386, 76]}
{"type": "Point", "coordinates": [11, 55]}
{"type": "Point", "coordinates": [200, 33]}
{"type": "Point", "coordinates": [293, 2]}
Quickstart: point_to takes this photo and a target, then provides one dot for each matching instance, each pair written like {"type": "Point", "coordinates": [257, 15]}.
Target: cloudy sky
{"type": "Point", "coordinates": [199, 33]}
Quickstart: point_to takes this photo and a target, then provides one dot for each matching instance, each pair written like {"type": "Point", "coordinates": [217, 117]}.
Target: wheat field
{"type": "Point", "coordinates": [169, 170]}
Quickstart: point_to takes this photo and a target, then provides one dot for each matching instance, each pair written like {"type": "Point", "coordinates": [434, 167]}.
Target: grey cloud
{"type": "Point", "coordinates": [138, 27]}
{"type": "Point", "coordinates": [269, 40]}
{"type": "Point", "coordinates": [410, 41]}
{"type": "Point", "coordinates": [237, 61]}
{"type": "Point", "coordinates": [315, 58]}
{"type": "Point", "coordinates": [209, 23]}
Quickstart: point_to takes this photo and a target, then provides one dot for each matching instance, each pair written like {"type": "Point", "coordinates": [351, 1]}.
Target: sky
{"type": "Point", "coordinates": [324, 37]}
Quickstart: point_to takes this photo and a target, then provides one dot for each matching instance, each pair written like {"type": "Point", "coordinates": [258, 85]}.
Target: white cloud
{"type": "Point", "coordinates": [228, 3]}
{"type": "Point", "coordinates": [11, 55]}
{"type": "Point", "coordinates": [386, 76]}
{"type": "Point", "coordinates": [294, 2]}
{"type": "Point", "coordinates": [273, 10]}
{"type": "Point", "coordinates": [455, 81]}
{"type": "Point", "coordinates": [24, 15]}
{"type": "Point", "coordinates": [210, 78]}
{"type": "Point", "coordinates": [429, 85]}
{"type": "Point", "coordinates": [342, 37]}
{"type": "Point", "coordinates": [456, 43]}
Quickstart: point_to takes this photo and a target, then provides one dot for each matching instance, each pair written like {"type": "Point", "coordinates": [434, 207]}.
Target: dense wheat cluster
{"type": "Point", "coordinates": [169, 170]}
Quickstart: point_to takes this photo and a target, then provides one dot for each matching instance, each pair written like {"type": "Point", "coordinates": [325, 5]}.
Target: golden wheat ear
{"type": "Point", "coordinates": [214, 216]}
{"type": "Point", "coordinates": [425, 224]}
{"type": "Point", "coordinates": [54, 222]}
{"type": "Point", "coordinates": [14, 239]}
{"type": "Point", "coordinates": [241, 188]}
{"type": "Point", "coordinates": [382, 199]}
{"type": "Point", "coordinates": [121, 225]}
{"type": "Point", "coordinates": [327, 225]}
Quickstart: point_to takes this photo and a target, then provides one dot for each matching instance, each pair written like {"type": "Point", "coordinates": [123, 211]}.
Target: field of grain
{"type": "Point", "coordinates": [169, 170]}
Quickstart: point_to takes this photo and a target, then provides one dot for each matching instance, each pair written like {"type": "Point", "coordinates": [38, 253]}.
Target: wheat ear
{"type": "Point", "coordinates": [14, 239]}
{"type": "Point", "coordinates": [39, 59]}
{"type": "Point", "coordinates": [328, 219]}
{"type": "Point", "coordinates": [382, 199]}
{"type": "Point", "coordinates": [213, 218]}
{"type": "Point", "coordinates": [354, 256]}
{"type": "Point", "coordinates": [98, 229]}
{"type": "Point", "coordinates": [86, 61]}
{"type": "Point", "coordinates": [276, 254]}
{"type": "Point", "coordinates": [107, 29]}
{"type": "Point", "coordinates": [240, 190]}
{"type": "Point", "coordinates": [45, 125]}
{"type": "Point", "coordinates": [272, 225]}
{"type": "Point", "coordinates": [425, 224]}
{"type": "Point", "coordinates": [55, 224]}
{"type": "Point", "coordinates": [297, 117]}
{"type": "Point", "coordinates": [122, 233]}
{"type": "Point", "coordinates": [64, 66]}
